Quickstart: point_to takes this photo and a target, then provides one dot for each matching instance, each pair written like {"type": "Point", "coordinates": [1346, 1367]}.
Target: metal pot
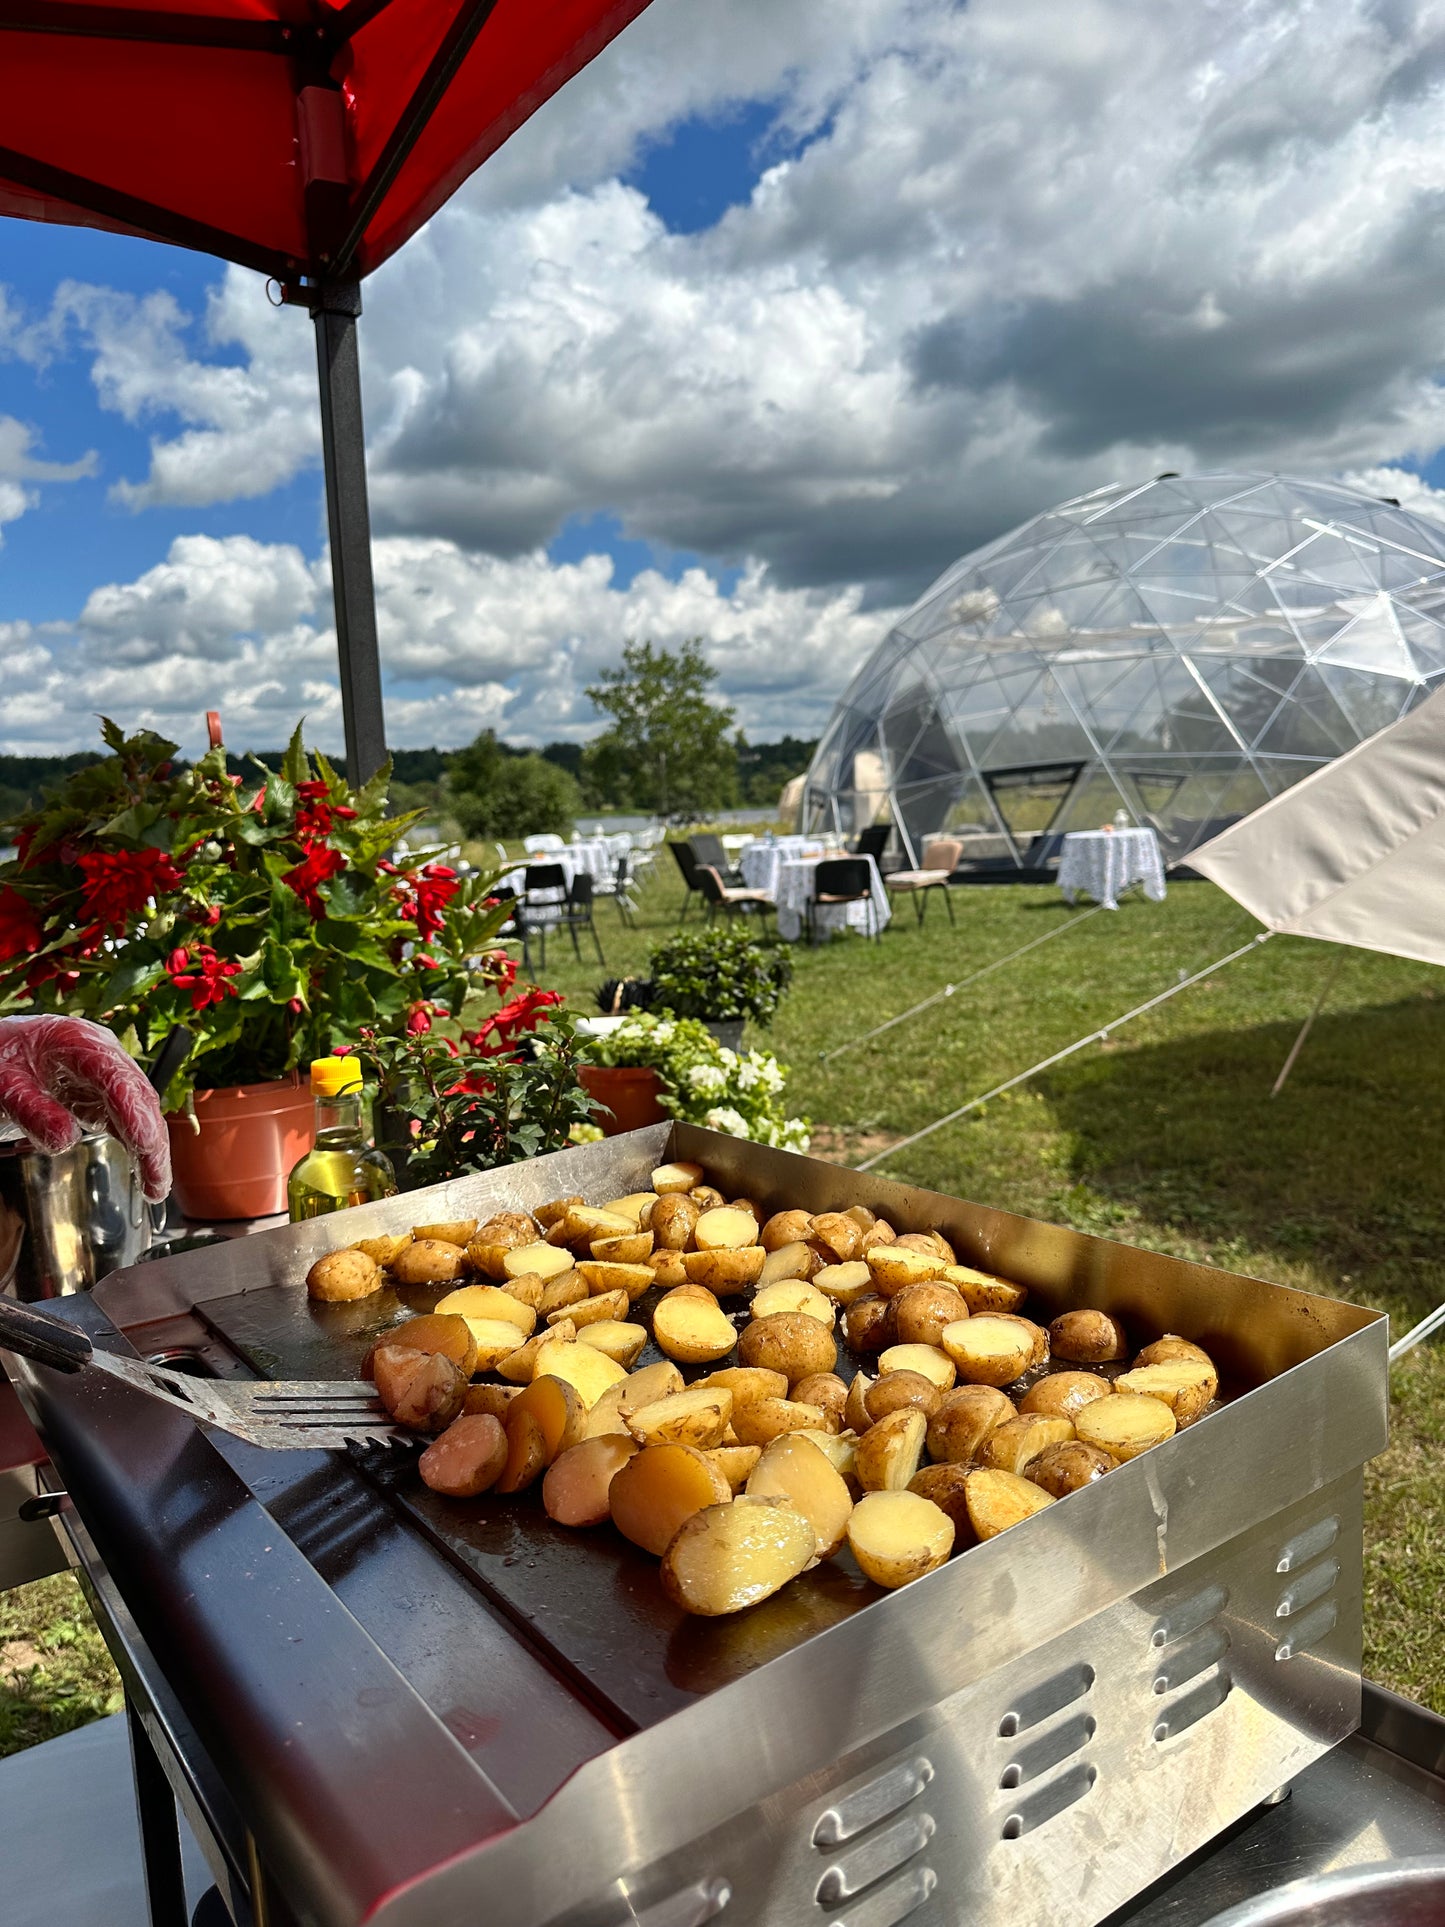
{"type": "Point", "coordinates": [1398, 1893]}
{"type": "Point", "coordinates": [68, 1221]}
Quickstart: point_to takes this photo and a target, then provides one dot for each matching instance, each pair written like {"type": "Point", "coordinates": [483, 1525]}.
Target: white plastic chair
{"type": "Point", "coordinates": [545, 840]}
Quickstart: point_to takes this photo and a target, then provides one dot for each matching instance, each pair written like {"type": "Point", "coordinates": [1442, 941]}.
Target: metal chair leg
{"type": "Point", "coordinates": [948, 904]}
{"type": "Point", "coordinates": [596, 942]}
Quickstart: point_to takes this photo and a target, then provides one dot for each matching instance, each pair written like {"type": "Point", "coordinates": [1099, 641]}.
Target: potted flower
{"type": "Point", "coordinates": [722, 978]}
{"type": "Point", "coordinates": [263, 912]}
{"type": "Point", "coordinates": [699, 1080]}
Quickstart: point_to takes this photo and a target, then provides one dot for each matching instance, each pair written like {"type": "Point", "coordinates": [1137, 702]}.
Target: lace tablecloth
{"type": "Point", "coordinates": [1102, 863]}
{"type": "Point", "coordinates": [759, 861]}
{"type": "Point", "coordinates": [794, 892]}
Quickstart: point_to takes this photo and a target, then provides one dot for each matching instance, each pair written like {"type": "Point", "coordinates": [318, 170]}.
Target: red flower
{"type": "Point", "coordinates": [320, 864]}
{"type": "Point", "coordinates": [118, 882]}
{"type": "Point", "coordinates": [418, 1022]}
{"type": "Point", "coordinates": [497, 1034]}
{"type": "Point", "coordinates": [202, 973]}
{"type": "Point", "coordinates": [432, 889]}
{"type": "Point", "coordinates": [21, 927]}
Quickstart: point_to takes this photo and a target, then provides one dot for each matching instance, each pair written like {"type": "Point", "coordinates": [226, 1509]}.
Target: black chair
{"type": "Point", "coordinates": [577, 914]}
{"type": "Point", "coordinates": [516, 924]}
{"type": "Point", "coordinates": [622, 892]}
{"type": "Point", "coordinates": [873, 842]}
{"type": "Point", "coordinates": [544, 897]}
{"type": "Point", "coordinates": [708, 849]}
{"type": "Point", "coordinates": [717, 895]}
{"type": "Point", "coordinates": [844, 879]}
{"type": "Point", "coordinates": [686, 862]}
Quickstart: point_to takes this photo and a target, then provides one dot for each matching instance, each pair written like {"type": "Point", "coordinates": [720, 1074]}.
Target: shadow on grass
{"type": "Point", "coordinates": [1342, 1170]}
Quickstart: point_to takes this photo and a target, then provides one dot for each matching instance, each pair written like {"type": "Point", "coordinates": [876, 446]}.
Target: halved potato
{"type": "Point", "coordinates": [964, 1419]}
{"type": "Point", "coordinates": [1011, 1447]}
{"type": "Point", "coordinates": [725, 1269]}
{"type": "Point", "coordinates": [989, 1348]}
{"type": "Point", "coordinates": [422, 1390]}
{"type": "Point", "coordinates": [539, 1260]}
{"type": "Point", "coordinates": [631, 1206]}
{"type": "Point", "coordinates": [838, 1234]}
{"type": "Point", "coordinates": [659, 1489]}
{"type": "Point", "coordinates": [855, 1407]}
{"type": "Point", "coordinates": [752, 1207]}
{"type": "Point", "coordinates": [735, 1462]}
{"type": "Point", "coordinates": [1062, 1394]}
{"type": "Point", "coordinates": [549, 1214]}
{"type": "Point", "coordinates": [861, 1216]}
{"type": "Point", "coordinates": [1038, 1335]}
{"type": "Point", "coordinates": [575, 1489]}
{"type": "Point", "coordinates": [605, 1420]}
{"type": "Point", "coordinates": [672, 1222]}
{"type": "Point", "coordinates": [519, 1366]}
{"type": "Point", "coordinates": [1126, 1424]}
{"type": "Point", "coordinates": [667, 1268]}
{"type": "Point", "coordinates": [947, 1487]}
{"type": "Point", "coordinates": [468, 1458]}
{"type": "Point", "coordinates": [920, 1312]}
{"type": "Point", "coordinates": [669, 1179]}
{"type": "Point", "coordinates": [764, 1419]}
{"type": "Point", "coordinates": [899, 1391]}
{"type": "Point", "coordinates": [793, 1468]}
{"type": "Point", "coordinates": [696, 1417]}
{"type": "Point", "coordinates": [789, 1261]}
{"type": "Point", "coordinates": [1088, 1338]}
{"type": "Point", "coordinates": [867, 1324]}
{"type": "Point", "coordinates": [727, 1557]}
{"type": "Point", "coordinates": [1184, 1385]}
{"type": "Point", "coordinates": [981, 1290]}
{"type": "Point", "coordinates": [584, 1222]}
{"type": "Point", "coordinates": [880, 1232]}
{"type": "Point", "coordinates": [496, 1340]}
{"type": "Point", "coordinates": [621, 1341]}
{"type": "Point", "coordinates": [652, 1381]}
{"type": "Point", "coordinates": [825, 1389]}
{"type": "Point", "coordinates": [455, 1231]}
{"type": "Point", "coordinates": [844, 1284]}
{"type": "Point", "coordinates": [426, 1261]}
{"type": "Point", "coordinates": [593, 1311]}
{"type": "Point", "coordinates": [431, 1334]}
{"type": "Point", "coordinates": [926, 1360]}
{"type": "Point", "coordinates": [898, 1536]}
{"type": "Point", "coordinates": [567, 1288]}
{"type": "Point", "coordinates": [894, 1267]}
{"type": "Point", "coordinates": [528, 1291]}
{"type": "Point", "coordinates": [747, 1382]}
{"type": "Point", "coordinates": [381, 1251]}
{"type": "Point", "coordinates": [932, 1241]}
{"type": "Point", "coordinates": [527, 1454]}
{"type": "Point", "coordinates": [692, 1330]}
{"type": "Point", "coordinates": [629, 1248]}
{"type": "Point", "coordinates": [607, 1275]}
{"type": "Point", "coordinates": [726, 1229]}
{"type": "Point", "coordinates": [784, 1228]}
{"type": "Point", "coordinates": [1161, 1352]}
{"type": "Point", "coordinates": [792, 1295]}
{"type": "Point", "coordinates": [488, 1302]}
{"type": "Point", "coordinates": [790, 1342]}
{"type": "Point", "coordinates": [889, 1451]}
{"type": "Point", "coordinates": [493, 1399]}
{"type": "Point", "coordinates": [998, 1500]}
{"type": "Point", "coordinates": [587, 1370]}
{"type": "Point", "coordinates": [1062, 1469]}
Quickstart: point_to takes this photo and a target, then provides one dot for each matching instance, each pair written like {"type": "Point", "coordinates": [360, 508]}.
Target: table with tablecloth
{"type": "Point", "coordinates": [794, 892]}
{"type": "Point", "coordinates": [759, 860]}
{"type": "Point", "coordinates": [1103, 863]}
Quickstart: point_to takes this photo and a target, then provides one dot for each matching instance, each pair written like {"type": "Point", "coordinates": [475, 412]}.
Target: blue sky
{"type": "Point", "coordinates": [767, 318]}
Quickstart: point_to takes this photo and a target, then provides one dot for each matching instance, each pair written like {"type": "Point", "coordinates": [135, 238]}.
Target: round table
{"type": "Point", "coordinates": [1103, 863]}
{"type": "Point", "coordinates": [794, 892]}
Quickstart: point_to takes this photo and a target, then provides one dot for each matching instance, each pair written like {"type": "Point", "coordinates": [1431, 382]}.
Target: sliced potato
{"type": "Point", "coordinates": [696, 1417]}
{"type": "Point", "coordinates": [706, 1197]}
{"type": "Point", "coordinates": [605, 1420]}
{"type": "Point", "coordinates": [672, 1221]}
{"type": "Point", "coordinates": [880, 1232]}
{"type": "Point", "coordinates": [489, 1303]}
{"type": "Point", "coordinates": [998, 1500]}
{"type": "Point", "coordinates": [728, 1557]}
{"type": "Point", "coordinates": [764, 1419]}
{"type": "Point", "coordinates": [899, 1390]}
{"type": "Point", "coordinates": [989, 1349]}
{"type": "Point", "coordinates": [527, 1454]}
{"type": "Point", "coordinates": [1062, 1469]}
{"type": "Point", "coordinates": [584, 1222]}
{"type": "Point", "coordinates": [691, 1330]}
{"type": "Point", "coordinates": [510, 1227]}
{"type": "Point", "coordinates": [468, 1458]}
{"type": "Point", "coordinates": [586, 1369]}
{"type": "Point", "coordinates": [725, 1269]}
{"type": "Point", "coordinates": [839, 1235]}
{"type": "Point", "coordinates": [930, 1241]}
{"type": "Point", "coordinates": [825, 1389]}
{"type": "Point", "coordinates": [840, 1449]}
{"type": "Point", "coordinates": [496, 1340]}
{"type": "Point", "coordinates": [752, 1207]}
{"type": "Point", "coordinates": [1037, 1334]}
{"type": "Point", "coordinates": [519, 1366]}
{"type": "Point", "coordinates": [575, 1489]}
{"type": "Point", "coordinates": [668, 1179]}
{"type": "Point", "coordinates": [1184, 1385]}
{"type": "Point", "coordinates": [456, 1231]}
{"type": "Point", "coordinates": [861, 1216]}
{"type": "Point", "coordinates": [423, 1391]}
{"type": "Point", "coordinates": [1088, 1338]}
{"type": "Point", "coordinates": [630, 1248]}
{"type": "Point", "coordinates": [557, 1409]}
{"type": "Point", "coordinates": [789, 1261]}
{"type": "Point", "coordinates": [539, 1260]}
{"type": "Point", "coordinates": [898, 1536]}
{"type": "Point", "coordinates": [1161, 1352]}
{"type": "Point", "coordinates": [747, 1382]}
{"type": "Point", "coordinates": [631, 1206]}
{"type": "Point", "coordinates": [793, 1295]}
{"type": "Point", "coordinates": [1011, 1447]}
{"type": "Point", "coordinates": [667, 1268]}
{"type": "Point", "coordinates": [964, 1419]}
{"type": "Point", "coordinates": [867, 1325]}
{"type": "Point", "coordinates": [431, 1334]}
{"type": "Point", "coordinates": [947, 1487]}
{"type": "Point", "coordinates": [487, 1397]}
{"type": "Point", "coordinates": [784, 1228]}
{"type": "Point", "coordinates": [894, 1267]}
{"type": "Point", "coordinates": [549, 1214]}
{"type": "Point", "coordinates": [790, 1342]}
{"type": "Point", "coordinates": [890, 1450]}
{"type": "Point", "coordinates": [982, 1291]}
{"type": "Point", "coordinates": [607, 1275]}
{"type": "Point", "coordinates": [735, 1462]}
{"type": "Point", "coordinates": [926, 1360]}
{"type": "Point", "coordinates": [726, 1229]}
{"type": "Point", "coordinates": [382, 1250]}
{"type": "Point", "coordinates": [528, 1291]}
{"type": "Point", "coordinates": [920, 1312]}
{"type": "Point", "coordinates": [659, 1489]}
{"type": "Point", "coordinates": [793, 1468]}
{"type": "Point", "coordinates": [1062, 1394]}
{"type": "Point", "coordinates": [856, 1415]}
{"type": "Point", "coordinates": [1126, 1424]}
{"type": "Point", "coordinates": [611, 1305]}
{"type": "Point", "coordinates": [844, 1284]}
{"type": "Point", "coordinates": [652, 1381]}
{"type": "Point", "coordinates": [427, 1261]}
{"type": "Point", "coordinates": [619, 1339]}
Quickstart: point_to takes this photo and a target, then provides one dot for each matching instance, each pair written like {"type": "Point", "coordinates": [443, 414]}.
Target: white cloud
{"type": "Point", "coordinates": [20, 465]}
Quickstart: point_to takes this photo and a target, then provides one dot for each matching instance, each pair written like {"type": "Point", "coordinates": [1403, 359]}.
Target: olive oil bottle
{"type": "Point", "coordinates": [341, 1168]}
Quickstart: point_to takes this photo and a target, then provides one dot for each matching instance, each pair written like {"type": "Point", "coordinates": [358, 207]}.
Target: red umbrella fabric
{"type": "Point", "coordinates": [304, 138]}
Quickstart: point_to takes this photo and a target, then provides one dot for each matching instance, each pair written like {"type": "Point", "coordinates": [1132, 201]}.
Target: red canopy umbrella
{"type": "Point", "coordinates": [304, 138]}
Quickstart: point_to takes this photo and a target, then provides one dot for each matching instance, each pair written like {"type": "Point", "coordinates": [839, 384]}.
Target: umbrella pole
{"type": "Point", "coordinates": [338, 367]}
{"type": "Point", "coordinates": [1308, 1025]}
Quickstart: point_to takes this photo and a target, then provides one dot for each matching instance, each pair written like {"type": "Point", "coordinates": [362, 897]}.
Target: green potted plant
{"type": "Point", "coordinates": [720, 977]}
{"type": "Point", "coordinates": [264, 912]}
{"type": "Point", "coordinates": [699, 1080]}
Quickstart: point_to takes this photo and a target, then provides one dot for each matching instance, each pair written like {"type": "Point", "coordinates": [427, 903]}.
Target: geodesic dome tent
{"type": "Point", "coordinates": [1181, 650]}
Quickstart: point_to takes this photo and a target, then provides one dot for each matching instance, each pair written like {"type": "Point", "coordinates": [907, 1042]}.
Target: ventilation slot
{"type": "Point", "coordinates": [1192, 1658]}
{"type": "Point", "coordinates": [1308, 1545]}
{"type": "Point", "coordinates": [1189, 1615]}
{"type": "Point", "coordinates": [882, 1854]}
{"type": "Point", "coordinates": [888, 1905]}
{"type": "Point", "coordinates": [1309, 1587]}
{"type": "Point", "coordinates": [690, 1908]}
{"type": "Point", "coordinates": [1039, 1702]}
{"type": "Point", "coordinates": [869, 1804]}
{"type": "Point", "coordinates": [1049, 1800]}
{"type": "Point", "coordinates": [1308, 1630]}
{"type": "Point", "coordinates": [1193, 1706]}
{"type": "Point", "coordinates": [1046, 1751]}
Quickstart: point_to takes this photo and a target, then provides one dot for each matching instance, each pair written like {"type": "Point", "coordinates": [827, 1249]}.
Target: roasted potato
{"type": "Point", "coordinates": [840, 1449]}
{"type": "Point", "coordinates": [587, 1370]}
{"type": "Point", "coordinates": [926, 1360]}
{"type": "Point", "coordinates": [793, 1295]}
{"type": "Point", "coordinates": [898, 1536]}
{"type": "Point", "coordinates": [825, 1389]}
{"type": "Point", "coordinates": [1162, 1352]}
{"type": "Point", "coordinates": [947, 1487]}
{"type": "Point", "coordinates": [659, 1489]}
{"type": "Point", "coordinates": [724, 1269]}
{"type": "Point", "coordinates": [458, 1231]}
{"type": "Point", "coordinates": [789, 1261]}
{"type": "Point", "coordinates": [998, 1500]}
{"type": "Point", "coordinates": [382, 1250]}
{"type": "Point", "coordinates": [575, 1489]}
{"type": "Point", "coordinates": [1038, 1335]}
{"type": "Point", "coordinates": [964, 1419]}
{"type": "Point", "coordinates": [342, 1276]}
{"type": "Point", "coordinates": [880, 1232]}
{"type": "Point", "coordinates": [1125, 1424]}
{"type": "Point", "coordinates": [433, 1334]}
{"type": "Point", "coordinates": [692, 1330]}
{"type": "Point", "coordinates": [538, 1260]}
{"type": "Point", "coordinates": [519, 1367]}
{"type": "Point", "coordinates": [989, 1349]}
{"type": "Point", "coordinates": [897, 1390]}
{"type": "Point", "coordinates": [855, 1407]}
{"type": "Point", "coordinates": [593, 1311]}
{"type": "Point", "coordinates": [754, 1210]}
{"type": "Point", "coordinates": [707, 1197]}
{"type": "Point", "coordinates": [696, 1417]}
{"type": "Point", "coordinates": [894, 1267]}
{"type": "Point", "coordinates": [736, 1462]}
{"type": "Point", "coordinates": [669, 1179]}
{"type": "Point", "coordinates": [605, 1419]}
{"type": "Point", "coordinates": [784, 1228]}
{"type": "Point", "coordinates": [730, 1556]}
{"type": "Point", "coordinates": [668, 1268]}
{"type": "Point", "coordinates": [527, 1454]}
{"type": "Point", "coordinates": [981, 1291]}
{"type": "Point", "coordinates": [549, 1214]}
{"type": "Point", "coordinates": [890, 1450]}
{"type": "Point", "coordinates": [632, 1206]}
{"type": "Point", "coordinates": [467, 1459]}
{"type": "Point", "coordinates": [652, 1381]}
{"type": "Point", "coordinates": [528, 1291]}
{"type": "Point", "coordinates": [844, 1284]}
{"type": "Point", "coordinates": [673, 1221]}
{"type": "Point", "coordinates": [586, 1222]}
{"type": "Point", "coordinates": [838, 1234]}
{"type": "Point", "coordinates": [423, 1391]}
{"type": "Point", "coordinates": [919, 1312]}
{"type": "Point", "coordinates": [793, 1468]}
{"type": "Point", "coordinates": [1184, 1385]}
{"type": "Point", "coordinates": [1062, 1469]}
{"type": "Point", "coordinates": [1011, 1447]}
{"type": "Point", "coordinates": [791, 1342]}
{"type": "Point", "coordinates": [630, 1248]}
{"type": "Point", "coordinates": [621, 1341]}
{"type": "Point", "coordinates": [1088, 1338]}
{"type": "Point", "coordinates": [867, 1325]}
{"type": "Point", "coordinates": [861, 1216]}
{"type": "Point", "coordinates": [477, 1303]}
{"type": "Point", "coordinates": [930, 1241]}
{"type": "Point", "coordinates": [1062, 1394]}
{"type": "Point", "coordinates": [764, 1419]}
{"type": "Point", "coordinates": [490, 1398]}
{"type": "Point", "coordinates": [567, 1288]}
{"type": "Point", "coordinates": [727, 1229]}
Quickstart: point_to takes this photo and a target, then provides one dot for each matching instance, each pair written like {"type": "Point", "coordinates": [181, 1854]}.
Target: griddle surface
{"type": "Point", "coordinates": [589, 1602]}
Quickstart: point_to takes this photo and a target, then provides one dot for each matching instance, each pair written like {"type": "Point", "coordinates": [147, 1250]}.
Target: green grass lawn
{"type": "Point", "coordinates": [1165, 1137]}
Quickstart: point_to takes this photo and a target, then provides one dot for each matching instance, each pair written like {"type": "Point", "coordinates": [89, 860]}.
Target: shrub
{"type": "Point", "coordinates": [719, 974]}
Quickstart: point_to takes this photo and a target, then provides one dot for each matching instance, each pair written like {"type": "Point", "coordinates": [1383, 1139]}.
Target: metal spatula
{"type": "Point", "coordinates": [295, 1415]}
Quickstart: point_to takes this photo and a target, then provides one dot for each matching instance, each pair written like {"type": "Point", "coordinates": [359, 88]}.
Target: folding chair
{"type": "Point", "coordinates": [940, 860]}
{"type": "Point", "coordinates": [577, 915]}
{"type": "Point", "coordinates": [687, 863]}
{"type": "Point", "coordinates": [839, 880]}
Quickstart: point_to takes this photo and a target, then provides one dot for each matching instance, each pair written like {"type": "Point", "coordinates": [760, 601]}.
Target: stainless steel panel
{"type": "Point", "coordinates": [1407, 1893]}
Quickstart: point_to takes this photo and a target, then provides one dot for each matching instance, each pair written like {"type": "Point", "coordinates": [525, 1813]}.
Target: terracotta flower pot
{"type": "Point", "coordinates": [630, 1093]}
{"type": "Point", "coordinates": [236, 1166]}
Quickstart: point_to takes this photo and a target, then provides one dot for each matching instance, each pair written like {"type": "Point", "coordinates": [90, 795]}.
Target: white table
{"type": "Point", "coordinates": [759, 861]}
{"type": "Point", "coordinates": [1103, 863]}
{"type": "Point", "coordinates": [794, 893]}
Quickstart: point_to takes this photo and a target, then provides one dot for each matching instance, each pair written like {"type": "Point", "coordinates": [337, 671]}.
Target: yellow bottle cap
{"type": "Point", "coordinates": [330, 1076]}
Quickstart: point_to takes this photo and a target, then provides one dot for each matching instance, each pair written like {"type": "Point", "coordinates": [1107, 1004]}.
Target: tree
{"type": "Point", "coordinates": [669, 747]}
{"type": "Point", "coordinates": [493, 791]}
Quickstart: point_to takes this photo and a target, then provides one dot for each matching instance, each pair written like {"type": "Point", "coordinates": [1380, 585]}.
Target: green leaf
{"type": "Point", "coordinates": [294, 766]}
{"type": "Point", "coordinates": [133, 977]}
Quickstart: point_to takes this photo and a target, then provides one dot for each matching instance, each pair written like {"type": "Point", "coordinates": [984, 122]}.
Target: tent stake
{"type": "Point", "coordinates": [338, 368]}
{"type": "Point", "coordinates": [1308, 1024]}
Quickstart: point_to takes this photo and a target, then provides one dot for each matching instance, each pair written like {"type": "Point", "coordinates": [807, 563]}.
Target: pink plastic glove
{"type": "Point", "coordinates": [60, 1076]}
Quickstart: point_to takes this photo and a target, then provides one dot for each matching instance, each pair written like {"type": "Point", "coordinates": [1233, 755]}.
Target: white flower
{"type": "Point", "coordinates": [663, 1033]}
{"type": "Point", "coordinates": [707, 1077]}
{"type": "Point", "coordinates": [723, 1118]}
{"type": "Point", "coordinates": [729, 1057]}
{"type": "Point", "coordinates": [747, 1075]}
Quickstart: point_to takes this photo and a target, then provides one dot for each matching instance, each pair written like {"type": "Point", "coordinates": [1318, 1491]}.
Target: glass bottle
{"type": "Point", "coordinates": [341, 1168]}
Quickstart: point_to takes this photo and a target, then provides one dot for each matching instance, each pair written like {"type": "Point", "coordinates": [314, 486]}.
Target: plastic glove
{"type": "Point", "coordinates": [60, 1076]}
